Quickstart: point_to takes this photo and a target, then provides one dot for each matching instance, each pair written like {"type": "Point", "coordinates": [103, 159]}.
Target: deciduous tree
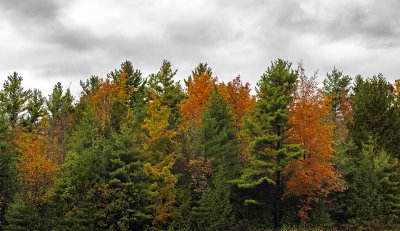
{"type": "Point", "coordinates": [159, 160]}
{"type": "Point", "coordinates": [312, 176]}
{"type": "Point", "coordinates": [198, 91]}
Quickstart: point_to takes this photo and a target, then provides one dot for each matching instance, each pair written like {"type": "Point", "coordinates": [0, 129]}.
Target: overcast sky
{"type": "Point", "coordinates": [49, 41]}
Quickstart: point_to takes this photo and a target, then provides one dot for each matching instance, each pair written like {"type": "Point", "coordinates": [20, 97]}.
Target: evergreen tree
{"type": "Point", "coordinates": [91, 85]}
{"type": "Point", "coordinates": [220, 145]}
{"type": "Point", "coordinates": [130, 202]}
{"type": "Point", "coordinates": [218, 133]}
{"type": "Point", "coordinates": [138, 98]}
{"type": "Point", "coordinates": [13, 97]}
{"type": "Point", "coordinates": [61, 108]}
{"type": "Point", "coordinates": [21, 216]}
{"type": "Point", "coordinates": [214, 210]}
{"type": "Point", "coordinates": [35, 110]}
{"type": "Point", "coordinates": [7, 170]}
{"type": "Point", "coordinates": [374, 191]}
{"type": "Point", "coordinates": [267, 128]}
{"type": "Point", "coordinates": [73, 200]}
{"type": "Point", "coordinates": [375, 115]}
{"type": "Point", "coordinates": [202, 68]}
{"type": "Point", "coordinates": [338, 86]}
{"type": "Point", "coordinates": [170, 94]}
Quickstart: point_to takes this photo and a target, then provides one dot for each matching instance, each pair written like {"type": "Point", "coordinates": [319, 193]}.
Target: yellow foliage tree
{"type": "Point", "coordinates": [37, 163]}
{"type": "Point", "coordinates": [159, 160]}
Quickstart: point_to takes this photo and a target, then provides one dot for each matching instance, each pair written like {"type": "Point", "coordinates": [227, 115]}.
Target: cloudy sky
{"type": "Point", "coordinates": [49, 41]}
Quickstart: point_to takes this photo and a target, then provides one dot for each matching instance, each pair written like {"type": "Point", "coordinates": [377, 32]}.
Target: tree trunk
{"type": "Point", "coordinates": [277, 201]}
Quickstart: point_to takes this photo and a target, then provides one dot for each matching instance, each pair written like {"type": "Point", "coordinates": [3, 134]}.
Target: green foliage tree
{"type": "Point", "coordinates": [61, 108]}
{"type": "Point", "coordinates": [91, 85]}
{"type": "Point", "coordinates": [217, 131]}
{"type": "Point", "coordinates": [60, 103]}
{"type": "Point", "coordinates": [35, 110]}
{"type": "Point", "coordinates": [214, 210]}
{"type": "Point", "coordinates": [73, 203]}
{"type": "Point", "coordinates": [170, 94]}
{"type": "Point", "coordinates": [374, 190]}
{"type": "Point", "coordinates": [13, 97]}
{"type": "Point", "coordinates": [338, 86]}
{"type": "Point", "coordinates": [202, 68]}
{"type": "Point", "coordinates": [266, 128]}
{"type": "Point", "coordinates": [21, 216]}
{"type": "Point", "coordinates": [7, 169]}
{"type": "Point", "coordinates": [130, 202]}
{"type": "Point", "coordinates": [375, 115]}
{"type": "Point", "coordinates": [138, 97]}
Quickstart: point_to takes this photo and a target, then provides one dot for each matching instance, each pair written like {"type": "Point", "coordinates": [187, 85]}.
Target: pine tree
{"type": "Point", "coordinates": [375, 115]}
{"type": "Point", "coordinates": [72, 202]}
{"type": "Point", "coordinates": [337, 87]}
{"type": "Point", "coordinates": [13, 97]}
{"type": "Point", "coordinates": [59, 104]}
{"type": "Point", "coordinates": [7, 168]}
{"type": "Point", "coordinates": [267, 128]}
{"type": "Point", "coordinates": [35, 110]}
{"type": "Point", "coordinates": [202, 68]}
{"type": "Point", "coordinates": [136, 86]}
{"type": "Point", "coordinates": [170, 94]}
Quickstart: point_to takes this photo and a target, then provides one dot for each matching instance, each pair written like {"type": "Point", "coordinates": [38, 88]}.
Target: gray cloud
{"type": "Point", "coordinates": [54, 40]}
{"type": "Point", "coordinates": [32, 11]}
{"type": "Point", "coordinates": [374, 23]}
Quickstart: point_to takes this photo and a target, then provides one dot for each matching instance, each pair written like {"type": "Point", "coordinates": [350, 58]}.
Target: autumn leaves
{"type": "Point", "coordinates": [132, 154]}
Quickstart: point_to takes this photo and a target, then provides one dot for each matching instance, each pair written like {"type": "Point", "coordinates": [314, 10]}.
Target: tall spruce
{"type": "Point", "coordinates": [130, 202]}
{"type": "Point", "coordinates": [220, 146]}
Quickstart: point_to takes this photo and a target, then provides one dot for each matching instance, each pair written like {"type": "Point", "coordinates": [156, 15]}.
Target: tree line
{"type": "Point", "coordinates": [136, 153]}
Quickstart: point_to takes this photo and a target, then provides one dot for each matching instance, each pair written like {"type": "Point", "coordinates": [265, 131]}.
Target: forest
{"type": "Point", "coordinates": [150, 153]}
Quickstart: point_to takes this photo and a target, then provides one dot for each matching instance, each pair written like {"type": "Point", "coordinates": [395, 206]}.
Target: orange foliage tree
{"type": "Point", "coordinates": [313, 175]}
{"type": "Point", "coordinates": [239, 99]}
{"type": "Point", "coordinates": [107, 94]}
{"type": "Point", "coordinates": [37, 163]}
{"type": "Point", "coordinates": [159, 159]}
{"type": "Point", "coordinates": [241, 102]}
{"type": "Point", "coordinates": [198, 90]}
